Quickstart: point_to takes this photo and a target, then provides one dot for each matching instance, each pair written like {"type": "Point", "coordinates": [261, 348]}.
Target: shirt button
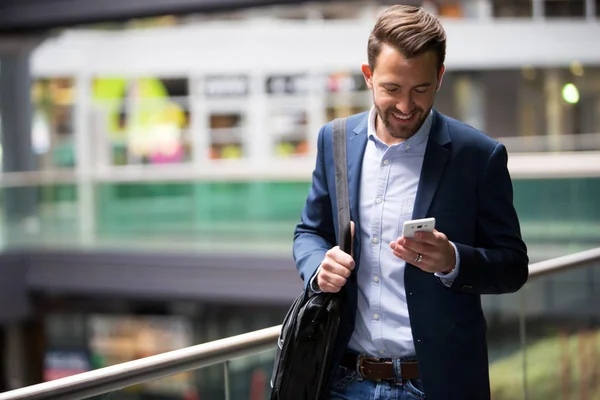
{"type": "Point", "coordinates": [378, 200]}
{"type": "Point", "coordinates": [407, 147]}
{"type": "Point", "coordinates": [375, 279]}
{"type": "Point", "coordinates": [386, 162]}
{"type": "Point", "coordinates": [382, 352]}
{"type": "Point", "coordinates": [376, 317]}
{"type": "Point", "coordinates": [375, 240]}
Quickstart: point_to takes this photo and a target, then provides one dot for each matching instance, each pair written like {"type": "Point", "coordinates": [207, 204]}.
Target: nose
{"type": "Point", "coordinates": [404, 103]}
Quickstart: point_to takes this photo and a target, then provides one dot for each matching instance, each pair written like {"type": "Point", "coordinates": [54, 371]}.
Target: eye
{"type": "Point", "coordinates": [421, 90]}
{"type": "Point", "coordinates": [391, 89]}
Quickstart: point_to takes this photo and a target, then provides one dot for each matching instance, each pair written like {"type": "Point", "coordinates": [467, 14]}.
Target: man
{"type": "Point", "coordinates": [414, 326]}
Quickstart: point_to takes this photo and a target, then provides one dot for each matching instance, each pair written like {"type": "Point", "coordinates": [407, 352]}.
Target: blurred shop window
{"type": "Point", "coordinates": [66, 351]}
{"type": "Point", "coordinates": [512, 8]}
{"type": "Point", "coordinates": [347, 94]}
{"type": "Point", "coordinates": [450, 10]}
{"type": "Point", "coordinates": [564, 8]}
{"type": "Point", "coordinates": [137, 23]}
{"type": "Point", "coordinates": [227, 101]}
{"type": "Point", "coordinates": [115, 339]}
{"type": "Point", "coordinates": [143, 120]}
{"type": "Point", "coordinates": [52, 125]}
{"type": "Point", "coordinates": [335, 10]}
{"type": "Point", "coordinates": [226, 135]}
{"type": "Point", "coordinates": [288, 113]}
{"type": "Point", "coordinates": [289, 126]}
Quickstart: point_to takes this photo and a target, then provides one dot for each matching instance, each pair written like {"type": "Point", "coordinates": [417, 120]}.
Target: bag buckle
{"type": "Point", "coordinates": [361, 367]}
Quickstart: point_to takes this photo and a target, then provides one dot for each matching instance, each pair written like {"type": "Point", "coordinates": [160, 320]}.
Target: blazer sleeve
{"type": "Point", "coordinates": [315, 233]}
{"type": "Point", "coordinates": [498, 263]}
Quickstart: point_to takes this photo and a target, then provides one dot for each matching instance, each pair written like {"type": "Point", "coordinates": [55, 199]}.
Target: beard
{"type": "Point", "coordinates": [400, 129]}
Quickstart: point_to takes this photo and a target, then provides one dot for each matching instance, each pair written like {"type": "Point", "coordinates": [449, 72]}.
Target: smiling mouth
{"type": "Point", "coordinates": [404, 117]}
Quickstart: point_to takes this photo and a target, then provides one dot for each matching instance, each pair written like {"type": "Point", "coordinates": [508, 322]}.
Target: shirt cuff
{"type": "Point", "coordinates": [313, 283]}
{"type": "Point", "coordinates": [448, 279]}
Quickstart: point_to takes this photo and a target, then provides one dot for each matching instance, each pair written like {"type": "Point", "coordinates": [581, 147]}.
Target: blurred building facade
{"type": "Point", "coordinates": [258, 85]}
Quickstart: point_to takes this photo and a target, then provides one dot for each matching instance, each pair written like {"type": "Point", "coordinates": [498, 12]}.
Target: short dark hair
{"type": "Point", "coordinates": [410, 30]}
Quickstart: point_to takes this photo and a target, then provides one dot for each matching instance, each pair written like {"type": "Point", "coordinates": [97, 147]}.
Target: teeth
{"type": "Point", "coordinates": [403, 117]}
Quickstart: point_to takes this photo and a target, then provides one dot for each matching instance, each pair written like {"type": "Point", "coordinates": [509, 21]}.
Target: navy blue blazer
{"type": "Point", "coordinates": [466, 186]}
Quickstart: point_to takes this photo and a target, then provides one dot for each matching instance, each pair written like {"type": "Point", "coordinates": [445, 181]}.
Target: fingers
{"type": "Point", "coordinates": [335, 270]}
{"type": "Point", "coordinates": [336, 267]}
{"type": "Point", "coordinates": [337, 256]}
{"type": "Point", "coordinates": [434, 237]}
{"type": "Point", "coordinates": [411, 256]}
{"type": "Point", "coordinates": [413, 245]}
{"type": "Point", "coordinates": [327, 287]}
{"type": "Point", "coordinates": [430, 251]}
{"type": "Point", "coordinates": [329, 282]}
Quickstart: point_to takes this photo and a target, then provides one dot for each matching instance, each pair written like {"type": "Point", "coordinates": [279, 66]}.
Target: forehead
{"type": "Point", "coordinates": [392, 63]}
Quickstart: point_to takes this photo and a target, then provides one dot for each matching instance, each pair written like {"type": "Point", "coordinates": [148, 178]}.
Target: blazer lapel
{"type": "Point", "coordinates": [434, 163]}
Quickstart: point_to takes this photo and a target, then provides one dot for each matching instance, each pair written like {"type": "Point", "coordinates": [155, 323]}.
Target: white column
{"type": "Point", "coordinates": [526, 113]}
{"type": "Point", "coordinates": [86, 204]}
{"type": "Point", "coordinates": [538, 9]}
{"type": "Point", "coordinates": [590, 10]}
{"type": "Point", "coordinates": [485, 9]}
{"type": "Point", "coordinates": [199, 132]}
{"type": "Point", "coordinates": [597, 120]}
{"type": "Point", "coordinates": [257, 136]}
{"type": "Point", "coordinates": [470, 100]}
{"type": "Point", "coordinates": [478, 9]}
{"type": "Point", "coordinates": [316, 109]}
{"type": "Point", "coordinates": [554, 107]}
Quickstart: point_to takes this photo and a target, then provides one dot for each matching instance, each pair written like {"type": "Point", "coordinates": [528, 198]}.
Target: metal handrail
{"type": "Point", "coordinates": [116, 377]}
{"type": "Point", "coordinates": [130, 373]}
{"type": "Point", "coordinates": [565, 262]}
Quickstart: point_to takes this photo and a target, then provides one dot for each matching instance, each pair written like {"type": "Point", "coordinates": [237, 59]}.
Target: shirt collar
{"type": "Point", "coordinates": [416, 139]}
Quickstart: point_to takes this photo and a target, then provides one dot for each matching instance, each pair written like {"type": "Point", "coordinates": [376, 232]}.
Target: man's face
{"type": "Point", "coordinates": [403, 90]}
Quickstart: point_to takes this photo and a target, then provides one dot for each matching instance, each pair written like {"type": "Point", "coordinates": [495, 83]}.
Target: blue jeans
{"type": "Point", "coordinates": [349, 385]}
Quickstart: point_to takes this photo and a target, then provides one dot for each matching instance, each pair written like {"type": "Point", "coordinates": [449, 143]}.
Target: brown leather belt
{"type": "Point", "coordinates": [377, 369]}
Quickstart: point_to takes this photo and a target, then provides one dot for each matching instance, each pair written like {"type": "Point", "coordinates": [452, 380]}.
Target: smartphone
{"type": "Point", "coordinates": [417, 225]}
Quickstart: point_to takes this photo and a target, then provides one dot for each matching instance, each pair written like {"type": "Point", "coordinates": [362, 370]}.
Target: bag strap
{"type": "Point", "coordinates": [341, 184]}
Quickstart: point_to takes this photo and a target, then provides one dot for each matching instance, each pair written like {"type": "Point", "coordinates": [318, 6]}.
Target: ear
{"type": "Point", "coordinates": [440, 77]}
{"type": "Point", "coordinates": [368, 74]}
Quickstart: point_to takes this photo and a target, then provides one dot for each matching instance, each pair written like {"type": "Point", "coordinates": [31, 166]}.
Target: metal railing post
{"type": "Point", "coordinates": [227, 386]}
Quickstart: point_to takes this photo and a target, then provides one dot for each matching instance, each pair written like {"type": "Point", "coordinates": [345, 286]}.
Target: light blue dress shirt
{"type": "Point", "coordinates": [388, 187]}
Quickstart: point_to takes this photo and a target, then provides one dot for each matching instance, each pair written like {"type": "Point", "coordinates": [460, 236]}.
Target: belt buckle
{"type": "Point", "coordinates": [361, 359]}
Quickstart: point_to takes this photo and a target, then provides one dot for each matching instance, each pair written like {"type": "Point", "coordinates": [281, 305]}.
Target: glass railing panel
{"type": "Point", "coordinates": [249, 376]}
{"type": "Point", "coordinates": [253, 217]}
{"type": "Point", "coordinates": [242, 378]}
{"type": "Point", "coordinates": [558, 216]}
{"type": "Point", "coordinates": [562, 352]}
{"type": "Point", "coordinates": [36, 215]}
{"type": "Point", "coordinates": [176, 387]}
{"type": "Point", "coordinates": [504, 345]}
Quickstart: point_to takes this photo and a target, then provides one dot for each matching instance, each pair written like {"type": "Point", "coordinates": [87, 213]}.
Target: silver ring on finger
{"type": "Point", "coordinates": [419, 258]}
